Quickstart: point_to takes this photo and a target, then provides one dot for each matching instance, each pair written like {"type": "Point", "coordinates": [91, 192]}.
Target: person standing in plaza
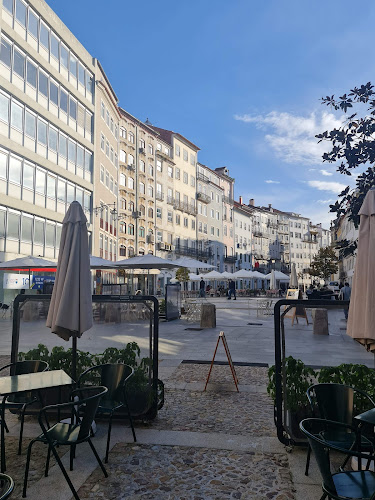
{"type": "Point", "coordinates": [345, 295]}
{"type": "Point", "coordinates": [202, 286]}
{"type": "Point", "coordinates": [232, 289]}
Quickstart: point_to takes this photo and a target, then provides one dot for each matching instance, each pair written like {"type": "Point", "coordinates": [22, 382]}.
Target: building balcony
{"type": "Point", "coordinates": [203, 197]}
{"type": "Point", "coordinates": [228, 199]}
{"type": "Point", "coordinates": [159, 195]}
{"type": "Point", "coordinates": [170, 200]}
{"type": "Point", "coordinates": [202, 177]}
{"type": "Point", "coordinates": [231, 259]}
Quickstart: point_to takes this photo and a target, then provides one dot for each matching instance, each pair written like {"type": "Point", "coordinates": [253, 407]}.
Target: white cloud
{"type": "Point", "coordinates": [291, 137]}
{"type": "Point", "coordinates": [333, 187]}
{"type": "Point", "coordinates": [325, 172]}
{"type": "Point", "coordinates": [325, 202]}
{"type": "Point", "coordinates": [272, 182]}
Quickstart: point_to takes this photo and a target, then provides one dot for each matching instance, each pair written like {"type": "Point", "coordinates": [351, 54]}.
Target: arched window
{"type": "Point", "coordinates": [122, 180]}
{"type": "Point", "coordinates": [130, 183]}
{"type": "Point", "coordinates": [141, 251]}
{"type": "Point", "coordinates": [122, 203]}
{"type": "Point", "coordinates": [122, 251]}
{"type": "Point", "coordinates": [150, 191]}
{"type": "Point", "coordinates": [130, 252]}
{"type": "Point", "coordinates": [123, 227]}
{"type": "Point", "coordinates": [142, 232]}
{"type": "Point", "coordinates": [142, 188]}
{"type": "Point", "coordinates": [151, 213]}
{"type": "Point", "coordinates": [122, 156]}
{"type": "Point", "coordinates": [131, 229]}
{"type": "Point", "coordinates": [131, 206]}
{"type": "Point", "coordinates": [142, 209]}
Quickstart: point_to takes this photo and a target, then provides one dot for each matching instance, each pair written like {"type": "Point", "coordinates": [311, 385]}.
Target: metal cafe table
{"type": "Point", "coordinates": [16, 384]}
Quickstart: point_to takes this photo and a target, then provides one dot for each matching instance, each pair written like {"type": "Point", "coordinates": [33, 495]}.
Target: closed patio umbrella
{"type": "Point", "coordinates": [293, 283]}
{"type": "Point", "coordinates": [361, 318]}
{"type": "Point", "coordinates": [273, 280]}
{"type": "Point", "coordinates": [70, 311]}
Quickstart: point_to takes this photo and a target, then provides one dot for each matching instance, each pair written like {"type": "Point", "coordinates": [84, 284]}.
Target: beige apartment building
{"type": "Point", "coordinates": [105, 199]}
{"type": "Point", "coordinates": [179, 186]}
{"type": "Point", "coordinates": [137, 145]}
{"type": "Point", "coordinates": [46, 128]}
{"type": "Point", "coordinates": [227, 184]}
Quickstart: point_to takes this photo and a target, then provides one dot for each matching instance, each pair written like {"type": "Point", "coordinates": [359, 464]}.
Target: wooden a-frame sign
{"type": "Point", "coordinates": [225, 344]}
{"type": "Point", "coordinates": [298, 311]}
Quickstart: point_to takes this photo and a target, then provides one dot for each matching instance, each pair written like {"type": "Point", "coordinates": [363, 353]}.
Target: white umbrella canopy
{"type": "Point", "coordinates": [99, 263]}
{"type": "Point", "coordinates": [195, 277]}
{"type": "Point", "coordinates": [361, 318]}
{"type": "Point", "coordinates": [70, 311]}
{"type": "Point", "coordinates": [278, 275]}
{"type": "Point", "coordinates": [293, 283]}
{"type": "Point", "coordinates": [273, 280]}
{"type": "Point", "coordinates": [213, 275]}
{"type": "Point", "coordinates": [243, 274]}
{"type": "Point", "coordinates": [226, 276]}
{"type": "Point", "coordinates": [192, 263]}
{"type": "Point", "coordinates": [146, 262]}
{"type": "Point", "coordinates": [257, 275]}
{"type": "Point", "coordinates": [28, 262]}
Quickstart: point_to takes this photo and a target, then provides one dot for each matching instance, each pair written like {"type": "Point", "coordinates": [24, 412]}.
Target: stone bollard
{"type": "Point", "coordinates": [208, 316]}
{"type": "Point", "coordinates": [320, 321]}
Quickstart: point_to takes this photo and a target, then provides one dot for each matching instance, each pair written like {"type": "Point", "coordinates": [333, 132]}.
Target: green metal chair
{"type": "Point", "coordinates": [115, 377]}
{"type": "Point", "coordinates": [83, 406]}
{"type": "Point", "coordinates": [21, 401]}
{"type": "Point", "coordinates": [6, 486]}
{"type": "Point", "coordinates": [336, 402]}
{"type": "Point", "coordinates": [345, 485]}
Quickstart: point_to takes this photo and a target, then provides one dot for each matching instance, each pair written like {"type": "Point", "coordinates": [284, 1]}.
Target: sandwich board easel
{"type": "Point", "coordinates": [224, 340]}
{"type": "Point", "coordinates": [298, 311]}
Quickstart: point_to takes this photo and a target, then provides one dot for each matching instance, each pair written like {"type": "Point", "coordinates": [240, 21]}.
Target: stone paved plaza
{"type": "Point", "coordinates": [216, 444]}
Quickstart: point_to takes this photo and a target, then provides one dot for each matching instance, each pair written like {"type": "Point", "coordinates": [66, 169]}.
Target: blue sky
{"type": "Point", "coordinates": [241, 79]}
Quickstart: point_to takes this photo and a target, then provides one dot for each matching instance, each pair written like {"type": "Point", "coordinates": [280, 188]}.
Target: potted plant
{"type": "Point", "coordinates": [298, 378]}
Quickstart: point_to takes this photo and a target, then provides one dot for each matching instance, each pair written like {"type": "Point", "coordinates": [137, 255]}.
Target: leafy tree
{"type": "Point", "coordinates": [353, 145]}
{"type": "Point", "coordinates": [324, 263]}
{"type": "Point", "coordinates": [182, 275]}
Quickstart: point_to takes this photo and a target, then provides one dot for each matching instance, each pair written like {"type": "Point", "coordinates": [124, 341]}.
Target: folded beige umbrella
{"type": "Point", "coordinates": [361, 318]}
{"type": "Point", "coordinates": [70, 311]}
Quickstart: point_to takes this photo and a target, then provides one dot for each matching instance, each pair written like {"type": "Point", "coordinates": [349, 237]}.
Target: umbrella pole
{"type": "Point", "coordinates": [74, 358]}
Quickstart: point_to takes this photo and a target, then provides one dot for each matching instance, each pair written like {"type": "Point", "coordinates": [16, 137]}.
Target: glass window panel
{"type": "Point", "coordinates": [62, 145]}
{"type": "Point", "coordinates": [87, 201]}
{"type": "Point", "coordinates": [28, 176]}
{"type": "Point", "coordinates": [79, 195]}
{"type": "Point", "coordinates": [73, 65]}
{"type": "Point", "coordinates": [69, 193]}
{"type": "Point", "coordinates": [52, 139]}
{"type": "Point", "coordinates": [5, 52]}
{"type": "Point", "coordinates": [72, 109]}
{"type": "Point", "coordinates": [13, 226]}
{"type": "Point", "coordinates": [51, 187]}
{"type": "Point", "coordinates": [8, 4]}
{"type": "Point", "coordinates": [80, 156]}
{"type": "Point", "coordinates": [88, 157]}
{"type": "Point", "coordinates": [31, 72]}
{"type": "Point", "coordinates": [30, 124]}
{"type": "Point", "coordinates": [19, 63]}
{"type": "Point", "coordinates": [33, 24]}
{"type": "Point", "coordinates": [50, 235]}
{"type": "Point", "coordinates": [4, 108]}
{"type": "Point", "coordinates": [3, 165]}
{"type": "Point", "coordinates": [64, 56]}
{"type": "Point", "coordinates": [42, 132]}
{"type": "Point", "coordinates": [16, 116]}
{"type": "Point", "coordinates": [81, 73]}
{"type": "Point", "coordinates": [71, 151]}
{"type": "Point", "coordinates": [2, 223]}
{"type": "Point", "coordinates": [54, 93]}
{"type": "Point", "coordinates": [44, 35]}
{"type": "Point", "coordinates": [55, 46]}
{"type": "Point", "coordinates": [39, 232]}
{"type": "Point", "coordinates": [88, 122]}
{"type": "Point", "coordinates": [15, 170]}
{"type": "Point", "coordinates": [61, 190]}
{"type": "Point", "coordinates": [43, 84]}
{"type": "Point", "coordinates": [88, 82]}
{"type": "Point", "coordinates": [81, 116]}
{"type": "Point", "coordinates": [64, 101]}
{"type": "Point", "coordinates": [21, 12]}
{"type": "Point", "coordinates": [58, 235]}
{"type": "Point", "coordinates": [27, 229]}
{"type": "Point", "coordinates": [40, 181]}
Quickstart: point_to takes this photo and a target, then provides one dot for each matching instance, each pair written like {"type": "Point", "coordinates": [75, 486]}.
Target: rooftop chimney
{"type": "Point", "coordinates": [240, 200]}
{"type": "Point", "coordinates": [251, 202]}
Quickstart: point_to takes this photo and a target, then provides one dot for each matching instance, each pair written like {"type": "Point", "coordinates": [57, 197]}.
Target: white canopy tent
{"type": "Point", "coordinates": [226, 276]}
{"type": "Point", "coordinates": [192, 263]}
{"type": "Point", "coordinates": [242, 274]}
{"type": "Point", "coordinates": [278, 275]}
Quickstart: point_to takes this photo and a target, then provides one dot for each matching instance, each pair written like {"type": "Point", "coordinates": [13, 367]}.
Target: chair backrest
{"type": "Point", "coordinates": [312, 427]}
{"type": "Point", "coordinates": [113, 376]}
{"type": "Point", "coordinates": [29, 366]}
{"type": "Point", "coordinates": [6, 486]}
{"type": "Point", "coordinates": [335, 401]}
{"type": "Point", "coordinates": [88, 408]}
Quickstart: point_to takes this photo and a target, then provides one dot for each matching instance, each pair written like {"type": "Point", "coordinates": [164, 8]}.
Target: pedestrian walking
{"type": "Point", "coordinates": [232, 289]}
{"type": "Point", "coordinates": [202, 288]}
{"type": "Point", "coordinates": [345, 292]}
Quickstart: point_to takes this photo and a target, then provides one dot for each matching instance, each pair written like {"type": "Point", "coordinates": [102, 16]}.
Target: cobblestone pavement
{"type": "Point", "coordinates": [184, 473]}
{"type": "Point", "coordinates": [247, 375]}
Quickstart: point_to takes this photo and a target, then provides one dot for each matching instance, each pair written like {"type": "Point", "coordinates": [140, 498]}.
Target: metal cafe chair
{"type": "Point", "coordinates": [83, 406]}
{"type": "Point", "coordinates": [343, 485]}
{"type": "Point", "coordinates": [22, 401]}
{"type": "Point", "coordinates": [336, 402]}
{"type": "Point", "coordinates": [114, 376]}
{"type": "Point", "coordinates": [6, 486]}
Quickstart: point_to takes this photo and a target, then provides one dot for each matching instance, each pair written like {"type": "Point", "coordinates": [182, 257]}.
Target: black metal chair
{"type": "Point", "coordinates": [83, 405]}
{"type": "Point", "coordinates": [344, 485]}
{"type": "Point", "coordinates": [21, 401]}
{"type": "Point", "coordinates": [336, 402]}
{"type": "Point", "coordinates": [115, 377]}
{"type": "Point", "coordinates": [6, 486]}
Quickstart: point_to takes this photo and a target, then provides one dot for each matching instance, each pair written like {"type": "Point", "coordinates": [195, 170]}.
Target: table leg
{"type": "Point", "coordinates": [3, 463]}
